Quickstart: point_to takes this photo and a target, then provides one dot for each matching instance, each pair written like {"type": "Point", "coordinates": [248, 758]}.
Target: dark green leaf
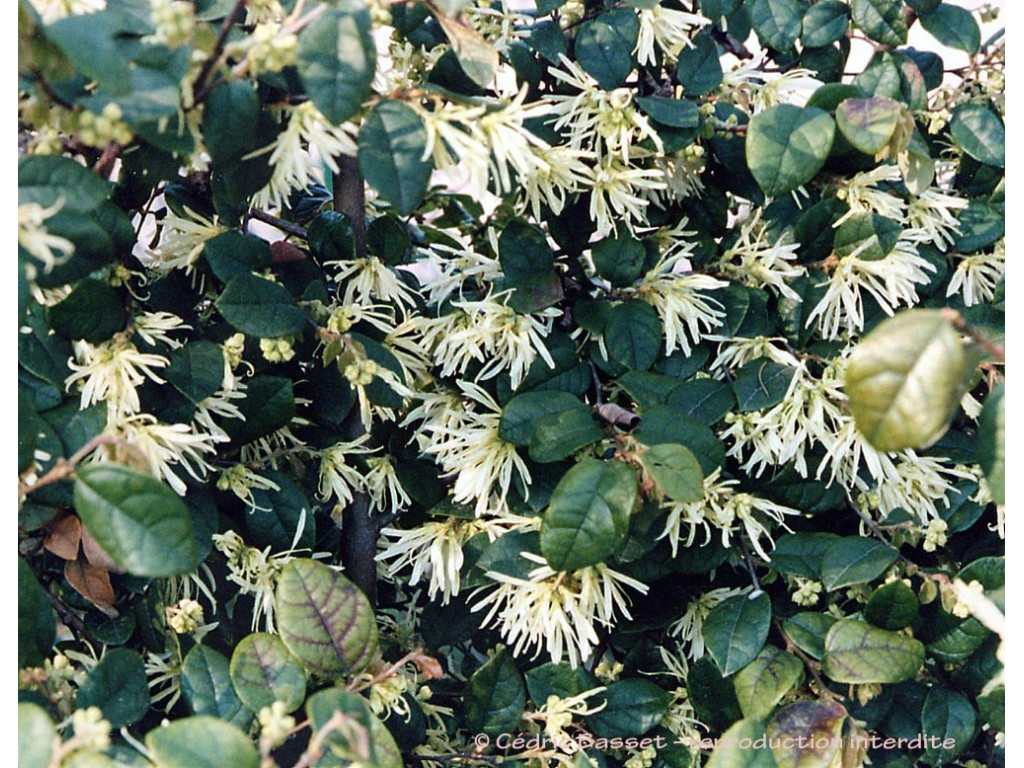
{"type": "Point", "coordinates": [706, 400]}
{"type": "Point", "coordinates": [881, 20]}
{"type": "Point", "coordinates": [736, 629]}
{"type": "Point", "coordinates": [676, 473]}
{"type": "Point", "coordinates": [391, 148]}
{"type": "Point", "coordinates": [787, 145]}
{"type": "Point", "coordinates": [954, 27]}
{"type": "Point", "coordinates": [275, 520]}
{"type": "Point", "coordinates": [904, 380]}
{"type": "Point", "coordinates": [762, 383]}
{"type": "Point", "coordinates": [92, 311]}
{"type": "Point", "coordinates": [675, 113]}
{"type": "Point", "coordinates": [523, 250]}
{"type": "Point", "coordinates": [337, 59]}
{"type": "Point", "coordinates": [269, 405]}
{"type": "Point", "coordinates": [138, 520]}
{"type": "Point", "coordinates": [979, 133]}
{"type": "Point", "coordinates": [992, 706]}
{"type": "Point", "coordinates": [870, 236]}
{"type": "Point", "coordinates": [258, 307]}
{"type": "Point", "coordinates": [196, 370]}
{"type": "Point", "coordinates": [892, 606]}
{"type": "Point", "coordinates": [48, 179]}
{"type": "Point", "coordinates": [857, 652]}
{"type": "Point", "coordinates": [992, 443]}
{"type": "Point", "coordinates": [324, 619]}
{"type": "Point", "coordinates": [825, 23]}
{"type": "Point", "coordinates": [854, 560]}
{"type": "Point", "coordinates": [588, 517]}
{"type": "Point", "coordinates": [664, 424]}
{"type": "Point", "coordinates": [231, 254]}
{"type": "Point", "coordinates": [206, 686]}
{"type": "Point", "coordinates": [559, 438]}
{"type": "Point", "coordinates": [632, 707]}
{"type": "Point", "coordinates": [525, 413]}
{"type": "Point", "coordinates": [868, 124]}
{"type": "Point", "coordinates": [947, 716]}
{"type": "Point", "coordinates": [619, 258]}
{"type": "Point", "coordinates": [799, 554]}
{"type": "Point", "coordinates": [231, 121]}
{"type": "Point", "coordinates": [495, 696]}
{"type": "Point", "coordinates": [807, 630]}
{"type": "Point", "coordinates": [477, 57]}
{"type": "Point", "coordinates": [777, 22]}
{"type": "Point", "coordinates": [90, 41]}
{"type": "Point", "coordinates": [560, 680]}
{"type": "Point", "coordinates": [699, 68]}
{"type": "Point", "coordinates": [633, 334]}
{"type": "Point", "coordinates": [36, 625]}
{"type": "Point", "coordinates": [263, 671]}
{"type": "Point", "coordinates": [369, 741]}
{"type": "Point", "coordinates": [201, 742]}
{"type": "Point", "coordinates": [117, 685]}
{"type": "Point", "coordinates": [604, 46]}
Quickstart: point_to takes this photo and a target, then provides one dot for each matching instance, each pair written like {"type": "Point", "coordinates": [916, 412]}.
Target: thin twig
{"type": "Point", "coordinates": [997, 351]}
{"type": "Point", "coordinates": [64, 468]}
{"type": "Point", "coordinates": [285, 226]}
{"type": "Point", "coordinates": [198, 88]}
{"type": "Point", "coordinates": [814, 667]}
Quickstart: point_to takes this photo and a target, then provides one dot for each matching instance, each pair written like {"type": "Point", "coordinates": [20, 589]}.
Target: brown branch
{"type": "Point", "coordinates": [199, 90]}
{"type": "Point", "coordinates": [814, 667]}
{"type": "Point", "coordinates": [285, 226]}
{"type": "Point", "coordinates": [997, 351]}
{"type": "Point", "coordinates": [64, 468]}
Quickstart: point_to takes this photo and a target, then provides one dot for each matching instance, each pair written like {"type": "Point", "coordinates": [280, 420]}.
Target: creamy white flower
{"type": "Point", "coordinates": [733, 353]}
{"type": "Point", "coordinates": [555, 610]}
{"type": "Point", "coordinates": [919, 485]}
{"type": "Point", "coordinates": [338, 477]}
{"type": "Point", "coordinates": [110, 372]}
{"type": "Point", "coordinates": [560, 172]}
{"type": "Point", "coordinates": [862, 195]}
{"type": "Point", "coordinates": [368, 281]}
{"type": "Point", "coordinates": [182, 240]}
{"type": "Point", "coordinates": [977, 276]}
{"type": "Point", "coordinates": [433, 548]}
{"type": "Point", "coordinates": [444, 268]}
{"type": "Point", "coordinates": [932, 219]}
{"type": "Point", "coordinates": [153, 327]}
{"type": "Point", "coordinates": [725, 509]}
{"type": "Point", "coordinates": [690, 626]}
{"type": "Point", "coordinates": [667, 29]}
{"type": "Point", "coordinates": [621, 194]}
{"type": "Point", "coordinates": [891, 281]}
{"type": "Point", "coordinates": [755, 261]}
{"type": "Point", "coordinates": [500, 26]}
{"type": "Point", "coordinates": [296, 166]}
{"type": "Point", "coordinates": [382, 485]}
{"type": "Point", "coordinates": [33, 236]}
{"type": "Point", "coordinates": [53, 10]}
{"type": "Point", "coordinates": [241, 481]}
{"type": "Point", "coordinates": [682, 173]}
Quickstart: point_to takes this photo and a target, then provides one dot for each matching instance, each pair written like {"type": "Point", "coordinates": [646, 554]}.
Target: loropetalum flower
{"type": "Point", "coordinates": [756, 261]}
{"type": "Point", "coordinates": [689, 627]}
{"type": "Point", "coordinates": [728, 511]}
{"type": "Point", "coordinates": [977, 276]}
{"type": "Point", "coordinates": [47, 248]}
{"type": "Point", "coordinates": [667, 29]}
{"type": "Point", "coordinates": [182, 240]}
{"type": "Point", "coordinates": [556, 611]}
{"type": "Point", "coordinates": [111, 372]}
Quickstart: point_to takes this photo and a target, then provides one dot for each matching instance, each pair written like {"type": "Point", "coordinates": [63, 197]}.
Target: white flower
{"type": "Point", "coordinates": [724, 509]}
{"type": "Point", "coordinates": [861, 194]}
{"type": "Point", "coordinates": [762, 264]}
{"type": "Point", "coordinates": [164, 446]}
{"type": "Point", "coordinates": [241, 481]}
{"type": "Point", "coordinates": [153, 327]}
{"type": "Point", "coordinates": [368, 280]}
{"type": "Point", "coordinates": [555, 610]}
{"type": "Point", "coordinates": [932, 219]}
{"type": "Point", "coordinates": [433, 548]}
{"type": "Point", "coordinates": [110, 372]}
{"type": "Point", "coordinates": [891, 281]}
{"type": "Point", "coordinates": [689, 627]}
{"type": "Point", "coordinates": [445, 268]}
{"type": "Point", "coordinates": [499, 25]}
{"type": "Point", "coordinates": [560, 172]}
{"type": "Point", "coordinates": [182, 240]}
{"type": "Point", "coordinates": [617, 194]}
{"type": "Point", "coordinates": [916, 484]}
{"type": "Point", "coordinates": [339, 478]}
{"type": "Point", "coordinates": [733, 353]}
{"type": "Point", "coordinates": [382, 483]}
{"type": "Point", "coordinates": [474, 453]}
{"type": "Point", "coordinates": [295, 166]}
{"type": "Point", "coordinates": [53, 10]}
{"type": "Point", "coordinates": [668, 29]}
{"type": "Point", "coordinates": [977, 276]}
{"type": "Point", "coordinates": [34, 237]}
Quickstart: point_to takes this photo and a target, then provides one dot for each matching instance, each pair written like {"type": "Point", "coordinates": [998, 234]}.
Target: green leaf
{"type": "Point", "coordinates": [807, 734]}
{"type": "Point", "coordinates": [495, 696]}
{"type": "Point", "coordinates": [633, 334]}
{"type": "Point", "coordinates": [525, 413]}
{"type": "Point", "coordinates": [48, 180]}
{"type": "Point", "coordinates": [269, 404]}
{"type": "Point", "coordinates": [992, 443]}
{"type": "Point", "coordinates": [954, 27]}
{"type": "Point", "coordinates": [825, 23]}
{"type": "Point", "coordinates": [604, 46]}
{"type": "Point", "coordinates": [561, 680]}
{"type": "Point", "coordinates": [263, 671]}
{"type": "Point", "coordinates": [854, 560]}
{"type": "Point", "coordinates": [36, 735]}
{"type": "Point", "coordinates": [276, 519]}
{"type": "Point", "coordinates": [868, 124]}
{"type": "Point", "coordinates": [523, 251]}
{"type": "Point", "coordinates": [762, 383]}
{"type": "Point", "coordinates": [36, 626]}
{"type": "Point", "coordinates": [892, 606]}
{"type": "Point", "coordinates": [699, 68]}
{"type": "Point", "coordinates": [991, 707]}
{"type": "Point", "coordinates": [588, 517]}
{"type": "Point", "coordinates": [206, 686]}
{"type": "Point", "coordinates": [117, 685]}
{"type": "Point", "coordinates": [477, 57]}
{"type": "Point", "coordinates": [231, 121]}
{"type": "Point", "coordinates": [675, 113]}
{"type": "Point", "coordinates": [735, 630]}
{"type": "Point", "coordinates": [29, 428]}
{"type": "Point", "coordinates": [330, 236]}
{"type": "Point", "coordinates": [857, 652]}
{"type": "Point", "coordinates": [619, 258]}
{"type": "Point", "coordinates": [979, 133]}
{"type": "Point", "coordinates": [92, 311]}
{"type": "Point", "coordinates": [868, 235]}
{"type": "Point", "coordinates": [258, 307]}
{"type": "Point", "coordinates": [196, 370]}
{"type": "Point", "coordinates": [392, 142]}
{"type": "Point", "coordinates": [777, 22]}
{"type": "Point", "coordinates": [559, 438]}
{"type": "Point", "coordinates": [324, 619]}
{"type": "Point", "coordinates": [881, 20]}
{"type": "Point", "coordinates": [786, 146]}
{"type": "Point", "coordinates": [705, 400]}
{"type": "Point", "coordinates": [761, 684]}
{"type": "Point", "coordinates": [632, 707]}
{"type": "Point", "coordinates": [138, 520]}
{"type": "Point", "coordinates": [337, 59]}
{"type": "Point", "coordinates": [91, 42]}
{"type": "Point", "coordinates": [231, 254]}
{"type": "Point", "coordinates": [949, 718]}
{"type": "Point", "coordinates": [664, 424]}
{"type": "Point", "coordinates": [904, 380]}
{"type": "Point", "coordinates": [676, 472]}
{"type": "Point", "coordinates": [201, 742]}
{"type": "Point", "coordinates": [369, 742]}
{"type": "Point", "coordinates": [735, 748]}
{"type": "Point", "coordinates": [807, 630]}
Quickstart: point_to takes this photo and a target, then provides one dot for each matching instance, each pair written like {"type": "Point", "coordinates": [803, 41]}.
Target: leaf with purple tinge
{"type": "Point", "coordinates": [324, 620]}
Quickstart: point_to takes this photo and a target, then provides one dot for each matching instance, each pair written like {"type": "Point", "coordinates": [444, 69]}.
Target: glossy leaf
{"type": "Point", "coordinates": [495, 696]}
{"type": "Point", "coordinates": [392, 143]}
{"type": "Point", "coordinates": [632, 707]}
{"type": "Point", "coordinates": [604, 46]}
{"type": "Point", "coordinates": [259, 307]}
{"type": "Point", "coordinates": [201, 742]}
{"type": "Point", "coordinates": [766, 680]}
{"type": "Point", "coordinates": [735, 630]}
{"type": "Point", "coordinates": [207, 689]}
{"type": "Point", "coordinates": [854, 560]}
{"type": "Point", "coordinates": [787, 145]}
{"type": "Point", "coordinates": [263, 671]}
{"type": "Point", "coordinates": [857, 652]}
{"type": "Point", "coordinates": [117, 685]}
